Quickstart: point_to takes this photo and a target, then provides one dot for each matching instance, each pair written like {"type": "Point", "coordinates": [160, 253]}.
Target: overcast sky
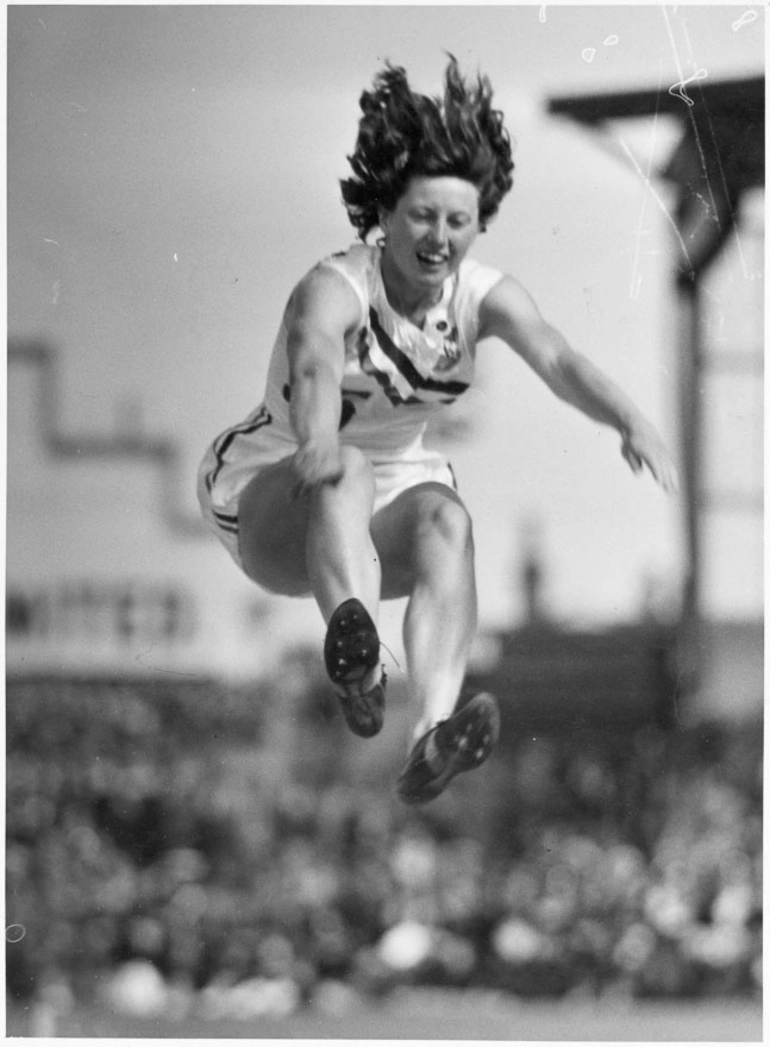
{"type": "Point", "coordinates": [174, 170]}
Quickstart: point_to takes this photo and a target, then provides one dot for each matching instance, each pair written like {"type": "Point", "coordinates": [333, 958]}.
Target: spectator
{"type": "Point", "coordinates": [318, 886]}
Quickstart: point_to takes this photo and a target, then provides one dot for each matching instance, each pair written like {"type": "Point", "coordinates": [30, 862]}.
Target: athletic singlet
{"type": "Point", "coordinates": [395, 374]}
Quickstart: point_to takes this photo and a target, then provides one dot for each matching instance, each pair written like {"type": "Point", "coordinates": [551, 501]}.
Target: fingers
{"type": "Point", "coordinates": [313, 465]}
{"type": "Point", "coordinates": [659, 464]}
{"type": "Point", "coordinates": [305, 486]}
{"type": "Point", "coordinates": [633, 459]}
{"type": "Point", "coordinates": [665, 473]}
{"type": "Point", "coordinates": [670, 480]}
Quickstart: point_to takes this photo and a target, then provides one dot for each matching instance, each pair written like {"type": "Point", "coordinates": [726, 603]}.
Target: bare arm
{"type": "Point", "coordinates": [509, 313]}
{"type": "Point", "coordinates": [321, 311]}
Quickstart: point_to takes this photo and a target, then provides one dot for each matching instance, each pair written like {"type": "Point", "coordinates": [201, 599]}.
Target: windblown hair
{"type": "Point", "coordinates": [402, 134]}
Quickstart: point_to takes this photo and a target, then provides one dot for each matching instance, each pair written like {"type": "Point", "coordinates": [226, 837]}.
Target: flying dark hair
{"type": "Point", "coordinates": [402, 134]}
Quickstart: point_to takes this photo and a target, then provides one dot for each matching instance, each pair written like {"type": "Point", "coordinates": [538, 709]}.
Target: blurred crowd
{"type": "Point", "coordinates": [150, 861]}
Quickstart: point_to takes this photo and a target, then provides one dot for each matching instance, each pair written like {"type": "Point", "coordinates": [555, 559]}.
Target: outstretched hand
{"type": "Point", "coordinates": [314, 464]}
{"type": "Point", "coordinates": [642, 446]}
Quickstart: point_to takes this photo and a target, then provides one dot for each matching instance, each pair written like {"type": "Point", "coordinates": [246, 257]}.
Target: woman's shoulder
{"type": "Point", "coordinates": [352, 269]}
{"type": "Point", "coordinates": [474, 282]}
{"type": "Point", "coordinates": [357, 260]}
{"type": "Point", "coordinates": [476, 274]}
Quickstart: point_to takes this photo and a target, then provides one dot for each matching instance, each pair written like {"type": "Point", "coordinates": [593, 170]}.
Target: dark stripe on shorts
{"type": "Point", "coordinates": [226, 439]}
{"type": "Point", "coordinates": [226, 522]}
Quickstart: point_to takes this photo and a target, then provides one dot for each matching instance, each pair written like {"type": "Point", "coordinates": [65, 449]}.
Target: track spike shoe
{"type": "Point", "coordinates": [352, 657]}
{"type": "Point", "coordinates": [461, 743]}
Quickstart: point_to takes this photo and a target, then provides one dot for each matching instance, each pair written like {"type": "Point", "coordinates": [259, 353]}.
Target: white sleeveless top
{"type": "Point", "coordinates": [396, 374]}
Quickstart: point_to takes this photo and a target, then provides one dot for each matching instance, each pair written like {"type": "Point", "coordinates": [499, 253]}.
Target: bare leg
{"type": "Point", "coordinates": [341, 558]}
{"type": "Point", "coordinates": [441, 617]}
{"type": "Point", "coordinates": [321, 544]}
{"type": "Point", "coordinates": [318, 545]}
{"type": "Point", "coordinates": [426, 545]}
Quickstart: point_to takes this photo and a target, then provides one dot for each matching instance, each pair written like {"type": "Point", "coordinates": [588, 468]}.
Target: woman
{"type": "Point", "coordinates": [326, 488]}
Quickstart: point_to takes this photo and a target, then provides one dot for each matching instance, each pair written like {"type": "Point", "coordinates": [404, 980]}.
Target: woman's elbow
{"type": "Point", "coordinates": [313, 371]}
{"type": "Point", "coordinates": [564, 372]}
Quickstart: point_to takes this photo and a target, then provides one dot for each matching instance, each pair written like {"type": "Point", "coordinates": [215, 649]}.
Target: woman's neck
{"type": "Point", "coordinates": [408, 301]}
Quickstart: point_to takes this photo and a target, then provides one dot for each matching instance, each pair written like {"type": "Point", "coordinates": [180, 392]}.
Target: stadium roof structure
{"type": "Point", "coordinates": [720, 153]}
{"type": "Point", "coordinates": [726, 96]}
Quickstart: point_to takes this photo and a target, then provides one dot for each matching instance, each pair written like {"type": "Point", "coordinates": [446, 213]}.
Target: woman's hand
{"type": "Point", "coordinates": [643, 446]}
{"type": "Point", "coordinates": [316, 462]}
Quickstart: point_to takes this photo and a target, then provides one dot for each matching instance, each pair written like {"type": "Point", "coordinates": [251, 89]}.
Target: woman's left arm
{"type": "Point", "coordinates": [509, 313]}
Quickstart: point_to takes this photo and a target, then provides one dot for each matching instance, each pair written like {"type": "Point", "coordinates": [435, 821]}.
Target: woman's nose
{"type": "Point", "coordinates": [439, 232]}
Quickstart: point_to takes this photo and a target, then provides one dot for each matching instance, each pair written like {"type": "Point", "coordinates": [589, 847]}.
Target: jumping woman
{"type": "Point", "coordinates": [326, 489]}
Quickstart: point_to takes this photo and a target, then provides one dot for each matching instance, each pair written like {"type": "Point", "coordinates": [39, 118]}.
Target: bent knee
{"type": "Point", "coordinates": [354, 462]}
{"type": "Point", "coordinates": [445, 521]}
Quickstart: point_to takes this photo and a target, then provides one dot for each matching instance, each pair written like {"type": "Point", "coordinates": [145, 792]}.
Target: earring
{"type": "Point", "coordinates": [381, 241]}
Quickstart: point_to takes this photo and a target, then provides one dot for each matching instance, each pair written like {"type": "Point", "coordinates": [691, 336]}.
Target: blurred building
{"type": "Point", "coordinates": [91, 516]}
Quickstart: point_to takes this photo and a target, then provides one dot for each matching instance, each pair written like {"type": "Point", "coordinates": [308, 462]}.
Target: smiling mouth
{"type": "Point", "coordinates": [432, 258]}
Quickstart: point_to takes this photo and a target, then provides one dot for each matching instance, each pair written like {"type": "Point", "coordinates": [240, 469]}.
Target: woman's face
{"type": "Point", "coordinates": [430, 230]}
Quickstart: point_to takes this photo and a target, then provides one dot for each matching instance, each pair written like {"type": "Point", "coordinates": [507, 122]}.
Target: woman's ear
{"type": "Point", "coordinates": [382, 220]}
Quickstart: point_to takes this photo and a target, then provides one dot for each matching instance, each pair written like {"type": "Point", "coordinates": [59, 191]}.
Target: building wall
{"type": "Point", "coordinates": [108, 565]}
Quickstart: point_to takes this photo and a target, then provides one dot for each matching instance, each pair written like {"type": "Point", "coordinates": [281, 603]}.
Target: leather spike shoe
{"type": "Point", "coordinates": [352, 657]}
{"type": "Point", "coordinates": [461, 743]}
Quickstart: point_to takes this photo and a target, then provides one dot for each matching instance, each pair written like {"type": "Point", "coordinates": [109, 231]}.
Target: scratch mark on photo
{"type": "Point", "coordinates": [746, 18]}
{"type": "Point", "coordinates": [661, 204]}
{"type": "Point", "coordinates": [678, 89]}
{"type": "Point", "coordinates": [722, 178]}
{"type": "Point", "coordinates": [15, 932]}
{"type": "Point", "coordinates": [636, 280]}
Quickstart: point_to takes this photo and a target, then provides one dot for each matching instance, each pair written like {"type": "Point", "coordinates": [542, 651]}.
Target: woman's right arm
{"type": "Point", "coordinates": [322, 310]}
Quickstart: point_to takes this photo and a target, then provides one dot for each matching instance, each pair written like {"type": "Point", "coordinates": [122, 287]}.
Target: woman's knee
{"type": "Point", "coordinates": [445, 524]}
{"type": "Point", "coordinates": [425, 535]}
{"type": "Point", "coordinates": [356, 466]}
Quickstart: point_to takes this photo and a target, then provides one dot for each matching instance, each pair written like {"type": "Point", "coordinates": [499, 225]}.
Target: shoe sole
{"type": "Point", "coordinates": [476, 734]}
{"type": "Point", "coordinates": [351, 653]}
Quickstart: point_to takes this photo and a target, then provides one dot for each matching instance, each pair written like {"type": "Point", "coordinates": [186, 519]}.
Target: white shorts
{"type": "Point", "coordinates": [241, 453]}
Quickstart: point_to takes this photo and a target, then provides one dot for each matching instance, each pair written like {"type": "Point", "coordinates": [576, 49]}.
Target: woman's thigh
{"type": "Point", "coordinates": [401, 528]}
{"type": "Point", "coordinates": [272, 527]}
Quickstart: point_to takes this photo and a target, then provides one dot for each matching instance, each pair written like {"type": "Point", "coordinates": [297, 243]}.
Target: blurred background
{"type": "Point", "coordinates": [192, 837]}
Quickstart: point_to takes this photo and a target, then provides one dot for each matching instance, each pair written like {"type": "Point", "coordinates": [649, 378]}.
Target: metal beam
{"type": "Point", "coordinates": [745, 97]}
{"type": "Point", "coordinates": [719, 156]}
